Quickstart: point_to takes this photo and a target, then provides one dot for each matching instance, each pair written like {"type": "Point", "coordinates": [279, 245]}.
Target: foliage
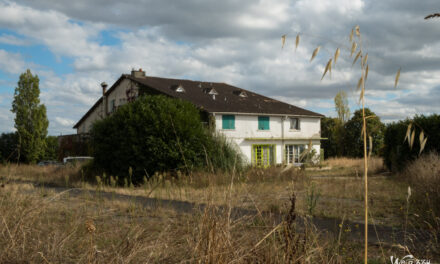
{"type": "Point", "coordinates": [30, 117]}
{"type": "Point", "coordinates": [397, 153]}
{"type": "Point", "coordinates": [156, 134]}
{"type": "Point", "coordinates": [333, 130]}
{"type": "Point", "coordinates": [51, 151]}
{"type": "Point", "coordinates": [8, 147]}
{"type": "Point", "coordinates": [341, 106]}
{"type": "Point", "coordinates": [353, 142]}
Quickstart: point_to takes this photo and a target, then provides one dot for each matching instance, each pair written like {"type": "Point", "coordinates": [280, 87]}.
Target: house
{"type": "Point", "coordinates": [266, 130]}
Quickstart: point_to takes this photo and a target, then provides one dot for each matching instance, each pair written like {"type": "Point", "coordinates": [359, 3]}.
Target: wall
{"type": "Point", "coordinates": [246, 133]}
{"type": "Point", "coordinates": [98, 113]}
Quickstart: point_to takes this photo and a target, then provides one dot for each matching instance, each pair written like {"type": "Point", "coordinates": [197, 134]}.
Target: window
{"type": "Point", "coordinates": [294, 123]}
{"type": "Point", "coordinates": [263, 123]}
{"type": "Point", "coordinates": [112, 106]}
{"type": "Point", "coordinates": [228, 122]}
{"type": "Point", "coordinates": [293, 153]}
{"type": "Point", "coordinates": [263, 155]}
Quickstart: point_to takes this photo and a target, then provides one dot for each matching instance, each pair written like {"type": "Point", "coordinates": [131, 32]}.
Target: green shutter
{"type": "Point", "coordinates": [228, 122]}
{"type": "Point", "coordinates": [263, 123]}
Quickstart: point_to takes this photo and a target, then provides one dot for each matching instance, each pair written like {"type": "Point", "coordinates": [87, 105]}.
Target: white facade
{"type": "Point", "coordinates": [116, 98]}
{"type": "Point", "coordinates": [247, 135]}
{"type": "Point", "coordinates": [278, 142]}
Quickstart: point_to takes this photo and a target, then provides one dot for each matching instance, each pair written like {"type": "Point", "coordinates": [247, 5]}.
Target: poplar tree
{"type": "Point", "coordinates": [30, 118]}
{"type": "Point", "coordinates": [341, 106]}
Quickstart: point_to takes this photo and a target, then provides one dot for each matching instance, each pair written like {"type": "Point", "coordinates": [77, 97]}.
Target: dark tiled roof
{"type": "Point", "coordinates": [227, 100]}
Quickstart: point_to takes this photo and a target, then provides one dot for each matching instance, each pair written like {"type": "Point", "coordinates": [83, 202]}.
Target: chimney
{"type": "Point", "coordinates": [104, 88]}
{"type": "Point", "coordinates": [138, 74]}
{"type": "Point", "coordinates": [104, 99]}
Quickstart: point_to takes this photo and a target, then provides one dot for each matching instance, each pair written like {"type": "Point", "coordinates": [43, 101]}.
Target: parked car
{"type": "Point", "coordinates": [75, 160]}
{"type": "Point", "coordinates": [48, 162]}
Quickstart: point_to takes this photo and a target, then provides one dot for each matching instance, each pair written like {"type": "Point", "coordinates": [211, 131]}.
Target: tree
{"type": "Point", "coordinates": [353, 133]}
{"type": "Point", "coordinates": [332, 129]}
{"type": "Point", "coordinates": [341, 106]}
{"type": "Point", "coordinates": [30, 118]}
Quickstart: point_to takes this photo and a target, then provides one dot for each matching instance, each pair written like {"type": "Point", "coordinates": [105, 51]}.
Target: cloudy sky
{"type": "Point", "coordinates": [75, 45]}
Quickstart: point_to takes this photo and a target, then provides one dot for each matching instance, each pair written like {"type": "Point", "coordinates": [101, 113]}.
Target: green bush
{"type": "Point", "coordinates": [333, 130]}
{"type": "Point", "coordinates": [353, 139]}
{"type": "Point", "coordinates": [157, 134]}
{"type": "Point", "coordinates": [8, 147]}
{"type": "Point", "coordinates": [397, 153]}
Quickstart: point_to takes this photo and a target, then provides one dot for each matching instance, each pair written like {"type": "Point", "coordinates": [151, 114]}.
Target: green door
{"type": "Point", "coordinates": [263, 155]}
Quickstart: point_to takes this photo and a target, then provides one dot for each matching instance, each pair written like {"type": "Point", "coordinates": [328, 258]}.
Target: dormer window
{"type": "Point", "coordinates": [210, 91]}
{"type": "Point", "coordinates": [178, 88]}
{"type": "Point", "coordinates": [240, 93]}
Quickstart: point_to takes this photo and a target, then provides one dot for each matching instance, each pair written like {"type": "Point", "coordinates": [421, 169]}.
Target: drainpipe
{"type": "Point", "coordinates": [283, 148]}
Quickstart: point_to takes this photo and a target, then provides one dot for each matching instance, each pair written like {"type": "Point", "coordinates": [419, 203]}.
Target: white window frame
{"type": "Point", "coordinates": [292, 153]}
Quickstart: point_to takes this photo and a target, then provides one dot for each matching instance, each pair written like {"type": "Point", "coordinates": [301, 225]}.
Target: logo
{"type": "Point", "coordinates": [409, 259]}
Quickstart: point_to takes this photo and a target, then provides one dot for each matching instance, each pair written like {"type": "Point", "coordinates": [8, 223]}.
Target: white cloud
{"type": "Point", "coordinates": [13, 40]}
{"type": "Point", "coordinates": [11, 62]}
{"type": "Point", "coordinates": [64, 121]}
{"type": "Point", "coordinates": [227, 41]}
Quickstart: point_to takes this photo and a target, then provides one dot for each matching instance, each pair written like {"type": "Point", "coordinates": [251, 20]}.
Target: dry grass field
{"type": "Point", "coordinates": [42, 224]}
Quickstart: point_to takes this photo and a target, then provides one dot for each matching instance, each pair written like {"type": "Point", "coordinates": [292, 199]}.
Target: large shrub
{"type": "Point", "coordinates": [353, 139]}
{"type": "Point", "coordinates": [333, 130]}
{"type": "Point", "coordinates": [8, 147]}
{"type": "Point", "coordinates": [154, 134]}
{"type": "Point", "coordinates": [397, 153]}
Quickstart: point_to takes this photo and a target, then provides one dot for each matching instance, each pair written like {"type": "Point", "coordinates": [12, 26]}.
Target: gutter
{"type": "Point", "coordinates": [264, 114]}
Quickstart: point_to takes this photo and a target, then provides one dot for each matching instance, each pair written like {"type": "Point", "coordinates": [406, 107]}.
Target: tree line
{"type": "Point", "coordinates": [343, 135]}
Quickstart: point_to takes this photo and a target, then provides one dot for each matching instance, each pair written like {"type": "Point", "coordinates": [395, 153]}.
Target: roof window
{"type": "Point", "coordinates": [240, 93]}
{"type": "Point", "coordinates": [178, 88]}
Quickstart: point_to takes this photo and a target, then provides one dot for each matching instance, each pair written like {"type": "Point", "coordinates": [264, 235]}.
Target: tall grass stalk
{"type": "Point", "coordinates": [355, 32]}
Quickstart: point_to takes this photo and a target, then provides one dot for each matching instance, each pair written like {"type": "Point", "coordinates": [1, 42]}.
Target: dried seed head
{"type": "Point", "coordinates": [362, 94]}
{"type": "Point", "coordinates": [357, 57]}
{"type": "Point", "coordinates": [353, 48]}
{"type": "Point", "coordinates": [90, 226]}
{"type": "Point", "coordinates": [366, 73]}
{"type": "Point", "coordinates": [408, 132]}
{"type": "Point", "coordinates": [338, 50]}
{"type": "Point", "coordinates": [397, 78]}
{"type": "Point", "coordinates": [315, 52]}
{"type": "Point", "coordinates": [297, 41]}
{"type": "Point", "coordinates": [422, 145]}
{"type": "Point", "coordinates": [365, 59]}
{"type": "Point", "coordinates": [351, 35]}
{"type": "Point", "coordinates": [358, 32]}
{"type": "Point", "coordinates": [412, 139]}
{"type": "Point", "coordinates": [359, 84]}
{"type": "Point", "coordinates": [370, 138]}
{"type": "Point", "coordinates": [283, 40]}
{"type": "Point", "coordinates": [328, 67]}
{"type": "Point", "coordinates": [422, 141]}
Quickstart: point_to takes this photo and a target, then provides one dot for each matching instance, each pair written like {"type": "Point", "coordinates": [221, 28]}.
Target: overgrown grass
{"type": "Point", "coordinates": [41, 226]}
{"type": "Point", "coordinates": [375, 164]}
{"type": "Point", "coordinates": [423, 177]}
{"type": "Point", "coordinates": [125, 232]}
